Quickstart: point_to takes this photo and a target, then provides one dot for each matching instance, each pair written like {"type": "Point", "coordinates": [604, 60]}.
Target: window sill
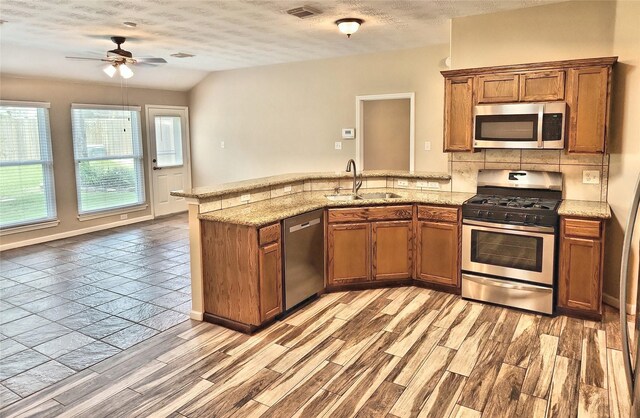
{"type": "Point", "coordinates": [107, 213]}
{"type": "Point", "coordinates": [30, 227]}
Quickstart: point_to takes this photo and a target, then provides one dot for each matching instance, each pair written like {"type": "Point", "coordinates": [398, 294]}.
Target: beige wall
{"type": "Point", "coordinates": [61, 94]}
{"type": "Point", "coordinates": [577, 29]}
{"type": "Point", "coordinates": [386, 128]}
{"type": "Point", "coordinates": [286, 118]}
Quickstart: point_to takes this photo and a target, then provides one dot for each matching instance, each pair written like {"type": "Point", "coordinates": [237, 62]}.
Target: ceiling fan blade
{"type": "Point", "coordinates": [88, 59]}
{"type": "Point", "coordinates": [151, 60]}
{"type": "Point", "coordinates": [145, 64]}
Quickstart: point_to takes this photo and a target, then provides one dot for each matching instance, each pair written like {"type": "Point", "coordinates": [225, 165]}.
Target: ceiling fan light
{"type": "Point", "coordinates": [125, 72]}
{"type": "Point", "coordinates": [349, 26]}
{"type": "Point", "coordinates": [110, 70]}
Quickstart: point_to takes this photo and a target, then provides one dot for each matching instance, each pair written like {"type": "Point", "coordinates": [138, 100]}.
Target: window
{"type": "Point", "coordinates": [168, 141]}
{"type": "Point", "coordinates": [108, 153]}
{"type": "Point", "coordinates": [26, 165]}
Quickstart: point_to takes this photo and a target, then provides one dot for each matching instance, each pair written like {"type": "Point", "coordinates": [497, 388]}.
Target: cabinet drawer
{"type": "Point", "coordinates": [269, 234]}
{"type": "Point", "coordinates": [437, 213]}
{"type": "Point", "coordinates": [582, 228]}
{"type": "Point", "coordinates": [378, 213]}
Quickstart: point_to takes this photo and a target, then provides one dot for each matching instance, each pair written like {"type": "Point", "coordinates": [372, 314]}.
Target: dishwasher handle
{"type": "Point", "coordinates": [304, 225]}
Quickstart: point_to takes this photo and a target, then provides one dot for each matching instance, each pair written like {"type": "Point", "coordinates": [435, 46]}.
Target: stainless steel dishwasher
{"type": "Point", "coordinates": [303, 257]}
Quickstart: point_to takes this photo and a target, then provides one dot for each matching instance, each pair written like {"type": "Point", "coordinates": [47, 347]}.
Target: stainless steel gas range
{"type": "Point", "coordinates": [509, 239]}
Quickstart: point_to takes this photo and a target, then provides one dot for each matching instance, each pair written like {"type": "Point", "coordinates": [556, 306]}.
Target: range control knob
{"type": "Point", "coordinates": [526, 219]}
{"type": "Point", "coordinates": [536, 219]}
{"type": "Point", "coordinates": [507, 216]}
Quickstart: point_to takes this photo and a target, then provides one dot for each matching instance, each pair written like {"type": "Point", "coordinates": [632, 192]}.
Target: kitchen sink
{"type": "Point", "coordinates": [340, 197]}
{"type": "Point", "coordinates": [379, 196]}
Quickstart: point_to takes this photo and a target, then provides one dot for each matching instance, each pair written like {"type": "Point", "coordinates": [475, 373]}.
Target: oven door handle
{"type": "Point", "coordinates": [499, 283]}
{"type": "Point", "coordinates": [542, 229]}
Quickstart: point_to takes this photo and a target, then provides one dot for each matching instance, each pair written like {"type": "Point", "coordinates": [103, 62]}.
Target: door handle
{"type": "Point", "coordinates": [154, 167]}
{"type": "Point", "coordinates": [157, 168]}
{"type": "Point", "coordinates": [624, 278]}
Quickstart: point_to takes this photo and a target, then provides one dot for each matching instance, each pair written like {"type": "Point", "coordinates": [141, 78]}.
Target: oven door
{"type": "Point", "coordinates": [508, 126]}
{"type": "Point", "coordinates": [511, 251]}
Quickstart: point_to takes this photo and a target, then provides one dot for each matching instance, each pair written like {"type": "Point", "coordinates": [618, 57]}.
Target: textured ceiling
{"type": "Point", "coordinates": [223, 34]}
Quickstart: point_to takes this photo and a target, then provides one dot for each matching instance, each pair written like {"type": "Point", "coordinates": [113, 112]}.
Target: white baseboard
{"type": "Point", "coordinates": [196, 316]}
{"type": "Point", "coordinates": [615, 302]}
{"type": "Point", "coordinates": [75, 232]}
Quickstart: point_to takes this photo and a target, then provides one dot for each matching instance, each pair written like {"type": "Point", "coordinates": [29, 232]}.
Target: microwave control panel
{"type": "Point", "coordinates": [552, 126]}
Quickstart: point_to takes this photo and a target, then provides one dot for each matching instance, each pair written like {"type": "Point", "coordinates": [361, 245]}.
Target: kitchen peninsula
{"type": "Point", "coordinates": [235, 237]}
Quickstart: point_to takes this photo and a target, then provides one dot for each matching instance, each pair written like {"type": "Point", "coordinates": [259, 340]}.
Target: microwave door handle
{"type": "Point", "coordinates": [540, 117]}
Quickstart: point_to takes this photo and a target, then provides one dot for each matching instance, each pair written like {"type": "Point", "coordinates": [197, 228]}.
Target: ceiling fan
{"type": "Point", "coordinates": [119, 59]}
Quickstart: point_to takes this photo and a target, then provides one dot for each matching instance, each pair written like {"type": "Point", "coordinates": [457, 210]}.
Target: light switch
{"type": "Point", "coordinates": [338, 145]}
{"type": "Point", "coordinates": [591, 176]}
{"type": "Point", "coordinates": [287, 189]}
{"type": "Point", "coordinates": [427, 145]}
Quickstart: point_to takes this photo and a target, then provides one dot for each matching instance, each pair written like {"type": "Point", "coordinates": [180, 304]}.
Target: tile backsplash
{"type": "Point", "coordinates": [464, 168]}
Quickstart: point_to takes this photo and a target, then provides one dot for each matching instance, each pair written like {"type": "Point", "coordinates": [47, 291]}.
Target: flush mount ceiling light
{"type": "Point", "coordinates": [349, 25]}
{"type": "Point", "coordinates": [130, 24]}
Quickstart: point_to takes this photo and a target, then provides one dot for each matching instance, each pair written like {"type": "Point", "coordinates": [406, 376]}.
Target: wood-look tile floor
{"type": "Point", "coordinates": [401, 352]}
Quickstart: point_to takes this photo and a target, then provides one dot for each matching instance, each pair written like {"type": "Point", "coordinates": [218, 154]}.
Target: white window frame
{"type": "Point", "coordinates": [138, 160]}
{"type": "Point", "coordinates": [47, 162]}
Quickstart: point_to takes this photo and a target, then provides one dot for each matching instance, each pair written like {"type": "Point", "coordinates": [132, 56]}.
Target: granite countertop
{"type": "Point", "coordinates": [283, 179]}
{"type": "Point", "coordinates": [273, 210]}
{"type": "Point", "coordinates": [585, 209]}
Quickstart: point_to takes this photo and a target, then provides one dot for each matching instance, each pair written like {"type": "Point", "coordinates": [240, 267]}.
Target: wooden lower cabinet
{"type": "Point", "coordinates": [581, 263]}
{"type": "Point", "coordinates": [348, 253]}
{"type": "Point", "coordinates": [438, 253]}
{"type": "Point", "coordinates": [270, 273]}
{"type": "Point", "coordinates": [392, 252]}
{"type": "Point", "coordinates": [242, 279]}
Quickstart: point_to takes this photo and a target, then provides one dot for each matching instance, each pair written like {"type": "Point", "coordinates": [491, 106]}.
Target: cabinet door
{"type": "Point", "coordinates": [541, 86]}
{"type": "Point", "coordinates": [588, 98]}
{"type": "Point", "coordinates": [458, 114]}
{"type": "Point", "coordinates": [270, 272]}
{"type": "Point", "coordinates": [438, 253]}
{"type": "Point", "coordinates": [497, 88]}
{"type": "Point", "coordinates": [348, 253]}
{"type": "Point", "coordinates": [579, 286]}
{"type": "Point", "coordinates": [392, 250]}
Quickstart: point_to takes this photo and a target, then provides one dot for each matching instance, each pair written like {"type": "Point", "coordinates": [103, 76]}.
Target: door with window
{"type": "Point", "coordinates": [168, 135]}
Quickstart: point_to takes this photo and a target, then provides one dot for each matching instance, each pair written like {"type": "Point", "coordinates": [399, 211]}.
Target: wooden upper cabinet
{"type": "Point", "coordinates": [542, 86]}
{"type": "Point", "coordinates": [458, 114]}
{"type": "Point", "coordinates": [499, 88]}
{"type": "Point", "coordinates": [587, 96]}
{"type": "Point", "coordinates": [270, 273]}
{"type": "Point", "coordinates": [392, 252]}
{"type": "Point", "coordinates": [348, 253]}
{"type": "Point", "coordinates": [581, 262]}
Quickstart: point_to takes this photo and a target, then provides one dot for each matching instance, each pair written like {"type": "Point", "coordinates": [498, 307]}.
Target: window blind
{"type": "Point", "coordinates": [26, 165]}
{"type": "Point", "coordinates": [108, 155]}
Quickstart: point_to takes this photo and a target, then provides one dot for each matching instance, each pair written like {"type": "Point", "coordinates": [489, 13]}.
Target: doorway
{"type": "Point", "coordinates": [385, 131]}
{"type": "Point", "coordinates": [169, 150]}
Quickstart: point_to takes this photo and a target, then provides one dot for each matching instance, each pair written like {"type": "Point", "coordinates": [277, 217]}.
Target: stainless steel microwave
{"type": "Point", "coordinates": [520, 125]}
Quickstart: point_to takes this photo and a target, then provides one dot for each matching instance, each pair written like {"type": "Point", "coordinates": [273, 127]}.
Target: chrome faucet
{"type": "Point", "coordinates": [356, 184]}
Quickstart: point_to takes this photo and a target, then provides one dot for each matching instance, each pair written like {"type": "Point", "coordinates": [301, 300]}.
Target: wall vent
{"type": "Point", "coordinates": [304, 12]}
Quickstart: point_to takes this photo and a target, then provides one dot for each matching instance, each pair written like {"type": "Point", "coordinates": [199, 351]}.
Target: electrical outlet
{"type": "Point", "coordinates": [403, 183]}
{"type": "Point", "coordinates": [338, 145]}
{"type": "Point", "coordinates": [221, 144]}
{"type": "Point", "coordinates": [427, 145]}
{"type": "Point", "coordinates": [433, 185]}
{"type": "Point", "coordinates": [123, 217]}
{"type": "Point", "coordinates": [591, 176]}
{"type": "Point", "coordinates": [245, 198]}
{"type": "Point", "coordinates": [422, 184]}
{"type": "Point", "coordinates": [287, 189]}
